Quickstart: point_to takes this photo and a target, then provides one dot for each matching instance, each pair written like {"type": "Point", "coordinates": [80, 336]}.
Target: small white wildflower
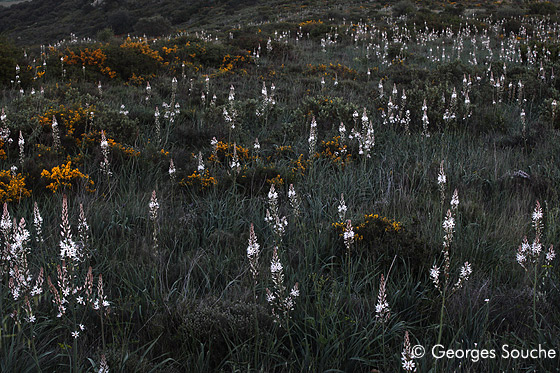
{"type": "Point", "coordinates": [172, 170]}
{"type": "Point", "coordinates": [348, 234]}
{"type": "Point", "coordinates": [550, 255]}
{"type": "Point", "coordinates": [455, 200]}
{"type": "Point", "coordinates": [272, 194]}
{"type": "Point", "coordinates": [103, 366]}
{"type": "Point", "coordinates": [154, 206]}
{"type": "Point", "coordinates": [276, 266]}
{"type": "Point", "coordinates": [270, 297]}
{"type": "Point", "coordinates": [253, 251]}
{"type": "Point", "coordinates": [466, 270]}
{"type": "Point", "coordinates": [434, 275]}
{"type": "Point", "coordinates": [342, 208]}
{"type": "Point", "coordinates": [449, 223]}
{"type": "Point", "coordinates": [382, 310]}
{"type": "Point", "coordinates": [294, 292]}
{"type": "Point", "coordinates": [407, 356]}
{"type": "Point", "coordinates": [441, 176]}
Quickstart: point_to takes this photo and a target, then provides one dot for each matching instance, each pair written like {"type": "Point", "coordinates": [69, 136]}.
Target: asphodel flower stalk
{"type": "Point", "coordinates": [55, 134]}
{"type": "Point", "coordinates": [312, 138]}
{"type": "Point", "coordinates": [38, 223]}
{"type": "Point", "coordinates": [105, 165]}
{"type": "Point", "coordinates": [253, 253]}
{"type": "Point", "coordinates": [382, 310]}
{"type": "Point", "coordinates": [154, 207]}
{"type": "Point", "coordinates": [534, 260]}
{"type": "Point", "coordinates": [281, 303]}
{"type": "Point", "coordinates": [407, 358]}
{"type": "Point", "coordinates": [295, 202]}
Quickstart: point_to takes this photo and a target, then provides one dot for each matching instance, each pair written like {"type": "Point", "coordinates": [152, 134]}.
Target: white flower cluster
{"type": "Point", "coordinates": [295, 202]}
{"type": "Point", "coordinates": [253, 252]}
{"type": "Point", "coordinates": [235, 165]}
{"type": "Point", "coordinates": [529, 254]}
{"type": "Point", "coordinates": [172, 170]}
{"type": "Point", "coordinates": [154, 206]}
{"type": "Point", "coordinates": [348, 235]}
{"type": "Point", "coordinates": [200, 166]}
{"type": "Point", "coordinates": [407, 358]}
{"type": "Point", "coordinates": [312, 137]}
{"type": "Point", "coordinates": [69, 249]}
{"type": "Point", "coordinates": [281, 303]}
{"type": "Point", "coordinates": [273, 218]}
{"type": "Point", "coordinates": [342, 208]}
{"type": "Point", "coordinates": [105, 165]}
{"type": "Point", "coordinates": [382, 310]}
{"type": "Point", "coordinates": [267, 102]}
{"type": "Point", "coordinates": [449, 229]}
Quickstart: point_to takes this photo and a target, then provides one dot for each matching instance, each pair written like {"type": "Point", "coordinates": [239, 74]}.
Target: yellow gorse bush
{"type": "Point", "coordinates": [277, 181]}
{"type": "Point", "coordinates": [125, 149]}
{"type": "Point", "coordinates": [299, 166]}
{"type": "Point", "coordinates": [310, 22]}
{"type": "Point", "coordinates": [64, 175]}
{"type": "Point", "coordinates": [68, 117]}
{"type": "Point", "coordinates": [230, 63]}
{"type": "Point", "coordinates": [143, 47]}
{"type": "Point", "coordinates": [224, 151]}
{"type": "Point", "coordinates": [12, 186]}
{"type": "Point", "coordinates": [87, 57]}
{"type": "Point", "coordinates": [386, 224]}
{"type": "Point", "coordinates": [202, 180]}
{"type": "Point", "coordinates": [2, 151]}
{"type": "Point", "coordinates": [335, 152]}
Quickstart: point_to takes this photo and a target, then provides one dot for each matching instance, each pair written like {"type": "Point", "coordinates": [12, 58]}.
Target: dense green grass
{"type": "Point", "coordinates": [192, 305]}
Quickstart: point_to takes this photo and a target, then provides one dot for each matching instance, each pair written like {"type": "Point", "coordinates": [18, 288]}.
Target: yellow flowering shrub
{"type": "Point", "coordinates": [70, 118]}
{"type": "Point", "coordinates": [124, 149]}
{"type": "Point", "coordinates": [277, 181]}
{"type": "Point", "coordinates": [229, 64]}
{"type": "Point", "coordinates": [372, 225]}
{"type": "Point", "coordinates": [2, 151]}
{"type": "Point", "coordinates": [281, 152]}
{"type": "Point", "coordinates": [299, 166]}
{"type": "Point", "coordinates": [12, 186]}
{"type": "Point", "coordinates": [64, 176]}
{"type": "Point", "coordinates": [331, 70]}
{"type": "Point", "coordinates": [335, 152]}
{"type": "Point", "coordinates": [143, 47]}
{"type": "Point", "coordinates": [310, 22]}
{"type": "Point", "coordinates": [93, 138]}
{"type": "Point", "coordinates": [201, 180]}
{"type": "Point", "coordinates": [224, 151]}
{"type": "Point", "coordinates": [89, 57]}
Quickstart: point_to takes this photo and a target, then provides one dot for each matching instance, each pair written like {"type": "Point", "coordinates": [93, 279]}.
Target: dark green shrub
{"type": "Point", "coordinates": [542, 7]}
{"type": "Point", "coordinates": [403, 8]}
{"type": "Point", "coordinates": [509, 12]}
{"type": "Point", "coordinates": [9, 57]}
{"type": "Point", "coordinates": [512, 26]}
{"type": "Point", "coordinates": [121, 21]}
{"type": "Point", "coordinates": [105, 35]}
{"type": "Point", "coordinates": [128, 61]}
{"type": "Point", "coordinates": [153, 26]}
{"type": "Point", "coordinates": [217, 324]}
